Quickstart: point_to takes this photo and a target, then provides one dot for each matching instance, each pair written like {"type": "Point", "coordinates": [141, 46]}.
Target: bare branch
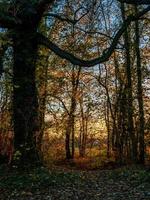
{"type": "Point", "coordinates": [65, 18]}
{"type": "Point", "coordinates": [61, 18]}
{"type": "Point", "coordinates": [61, 101]}
{"type": "Point", "coordinates": [106, 53]}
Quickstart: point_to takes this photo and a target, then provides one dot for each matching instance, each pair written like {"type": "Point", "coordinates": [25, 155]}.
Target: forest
{"type": "Point", "coordinates": [74, 99]}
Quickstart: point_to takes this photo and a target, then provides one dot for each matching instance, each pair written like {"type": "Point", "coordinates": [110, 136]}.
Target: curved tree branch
{"type": "Point", "coordinates": [65, 18]}
{"type": "Point", "coordinates": [61, 18]}
{"type": "Point", "coordinates": [106, 53]}
{"type": "Point", "coordinates": [61, 101]}
{"type": "Point", "coordinates": [136, 2]}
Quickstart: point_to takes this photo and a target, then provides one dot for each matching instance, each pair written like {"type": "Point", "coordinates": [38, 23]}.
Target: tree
{"type": "Point", "coordinates": [22, 19]}
{"type": "Point", "coordinates": [140, 93]}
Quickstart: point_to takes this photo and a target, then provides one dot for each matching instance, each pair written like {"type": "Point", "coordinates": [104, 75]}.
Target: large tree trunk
{"type": "Point", "coordinates": [129, 93]}
{"type": "Point", "coordinates": [25, 103]}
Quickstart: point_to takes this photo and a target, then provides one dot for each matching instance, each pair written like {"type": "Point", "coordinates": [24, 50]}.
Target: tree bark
{"type": "Point", "coordinates": [140, 93]}
{"type": "Point", "coordinates": [67, 143]}
{"type": "Point", "coordinates": [70, 132]}
{"type": "Point", "coordinates": [129, 92]}
{"type": "Point", "coordinates": [25, 103]}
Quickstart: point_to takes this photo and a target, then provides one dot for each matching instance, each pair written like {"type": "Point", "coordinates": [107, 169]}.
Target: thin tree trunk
{"type": "Point", "coordinates": [67, 144]}
{"type": "Point", "coordinates": [42, 93]}
{"type": "Point", "coordinates": [73, 138]}
{"type": "Point", "coordinates": [140, 93]}
{"type": "Point", "coordinates": [70, 132]}
{"type": "Point", "coordinates": [107, 122]}
{"type": "Point", "coordinates": [82, 130]}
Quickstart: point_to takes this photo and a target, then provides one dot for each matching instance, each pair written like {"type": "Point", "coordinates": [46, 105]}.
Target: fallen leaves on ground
{"type": "Point", "coordinates": [43, 184]}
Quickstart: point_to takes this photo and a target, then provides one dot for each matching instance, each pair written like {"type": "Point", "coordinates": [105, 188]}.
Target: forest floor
{"type": "Point", "coordinates": [125, 183]}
